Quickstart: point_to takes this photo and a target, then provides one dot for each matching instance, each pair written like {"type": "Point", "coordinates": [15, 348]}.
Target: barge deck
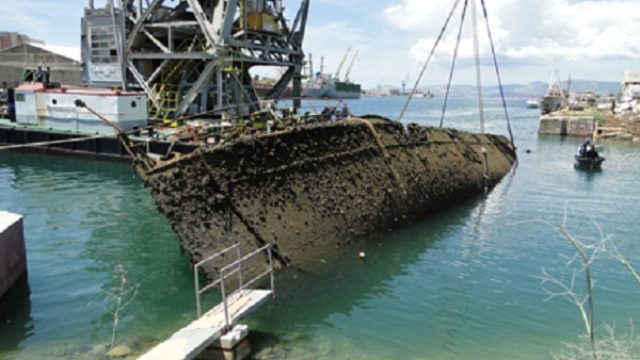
{"type": "Point", "coordinates": [82, 143]}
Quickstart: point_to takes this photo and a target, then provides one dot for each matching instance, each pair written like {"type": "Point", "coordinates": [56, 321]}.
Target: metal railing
{"type": "Point", "coordinates": [234, 268]}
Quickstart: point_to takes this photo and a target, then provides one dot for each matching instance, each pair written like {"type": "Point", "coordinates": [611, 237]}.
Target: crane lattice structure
{"type": "Point", "coordinates": [193, 56]}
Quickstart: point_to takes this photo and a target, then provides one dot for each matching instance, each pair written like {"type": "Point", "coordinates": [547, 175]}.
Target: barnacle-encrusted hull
{"type": "Point", "coordinates": [309, 189]}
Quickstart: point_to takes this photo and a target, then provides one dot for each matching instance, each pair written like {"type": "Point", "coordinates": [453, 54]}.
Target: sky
{"type": "Point", "coordinates": [587, 39]}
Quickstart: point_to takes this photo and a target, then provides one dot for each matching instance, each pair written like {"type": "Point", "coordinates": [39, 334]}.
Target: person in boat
{"type": "Point", "coordinates": [582, 150]}
{"type": "Point", "coordinates": [588, 150]}
{"type": "Point", "coordinates": [592, 153]}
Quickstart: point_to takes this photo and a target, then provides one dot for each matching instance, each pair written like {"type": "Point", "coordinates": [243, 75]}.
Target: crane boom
{"type": "Point", "coordinates": [344, 59]}
{"type": "Point", "coordinates": [353, 62]}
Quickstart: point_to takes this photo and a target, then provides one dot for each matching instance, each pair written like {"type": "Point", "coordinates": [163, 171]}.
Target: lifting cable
{"type": "Point", "coordinates": [426, 64]}
{"type": "Point", "coordinates": [499, 78]}
{"type": "Point", "coordinates": [476, 53]}
{"type": "Point", "coordinates": [495, 62]}
{"type": "Point", "coordinates": [453, 63]}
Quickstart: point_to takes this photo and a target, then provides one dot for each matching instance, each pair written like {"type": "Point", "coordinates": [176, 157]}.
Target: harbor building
{"type": "Point", "coordinates": [21, 61]}
{"type": "Point", "coordinates": [630, 89]}
{"type": "Point", "coordinates": [10, 39]}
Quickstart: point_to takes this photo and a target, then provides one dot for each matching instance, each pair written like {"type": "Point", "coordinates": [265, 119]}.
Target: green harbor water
{"type": "Point", "coordinates": [462, 284]}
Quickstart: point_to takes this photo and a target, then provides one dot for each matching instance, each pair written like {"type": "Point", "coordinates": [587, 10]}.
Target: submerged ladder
{"type": "Point", "coordinates": [192, 340]}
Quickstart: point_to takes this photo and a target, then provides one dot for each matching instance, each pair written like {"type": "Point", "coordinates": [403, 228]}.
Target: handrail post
{"type": "Point", "coordinates": [224, 300]}
{"type": "Point", "coordinates": [226, 272]}
{"type": "Point", "coordinates": [273, 286]}
{"type": "Point", "coordinates": [240, 268]}
{"type": "Point", "coordinates": [196, 279]}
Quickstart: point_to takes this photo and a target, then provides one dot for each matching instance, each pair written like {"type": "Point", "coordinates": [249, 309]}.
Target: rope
{"type": "Point", "coordinates": [47, 143]}
{"type": "Point", "coordinates": [426, 64]}
{"type": "Point", "coordinates": [384, 152]}
{"type": "Point", "coordinates": [476, 52]}
{"type": "Point", "coordinates": [453, 63]}
{"type": "Point", "coordinates": [495, 62]}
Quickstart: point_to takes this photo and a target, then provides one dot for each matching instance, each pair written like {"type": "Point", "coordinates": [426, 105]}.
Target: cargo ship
{"type": "Point", "coordinates": [322, 85]}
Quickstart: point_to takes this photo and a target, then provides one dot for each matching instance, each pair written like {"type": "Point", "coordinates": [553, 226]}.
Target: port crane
{"type": "Point", "coordinates": [344, 60]}
{"type": "Point", "coordinates": [353, 62]}
{"type": "Point", "coordinates": [194, 56]}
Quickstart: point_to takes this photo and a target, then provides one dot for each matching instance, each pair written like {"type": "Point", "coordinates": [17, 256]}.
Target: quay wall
{"type": "Point", "coordinates": [567, 125]}
{"type": "Point", "coordinates": [13, 255]}
{"type": "Point", "coordinates": [310, 190]}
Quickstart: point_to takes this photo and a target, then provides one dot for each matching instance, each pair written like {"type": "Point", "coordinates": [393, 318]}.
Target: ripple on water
{"type": "Point", "coordinates": [463, 284]}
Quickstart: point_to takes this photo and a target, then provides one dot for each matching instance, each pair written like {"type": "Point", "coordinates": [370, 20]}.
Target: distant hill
{"type": "Point", "coordinates": [538, 89]}
{"type": "Point", "coordinates": [534, 89]}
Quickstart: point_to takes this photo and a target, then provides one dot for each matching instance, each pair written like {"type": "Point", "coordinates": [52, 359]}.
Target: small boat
{"type": "Point", "coordinates": [587, 157]}
{"type": "Point", "coordinates": [533, 104]}
{"type": "Point", "coordinates": [422, 95]}
{"type": "Point", "coordinates": [588, 163]}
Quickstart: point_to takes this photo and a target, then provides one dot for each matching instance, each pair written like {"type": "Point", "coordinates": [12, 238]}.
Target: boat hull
{"type": "Point", "coordinates": [330, 93]}
{"type": "Point", "coordinates": [532, 104]}
{"type": "Point", "coordinates": [588, 163]}
{"type": "Point", "coordinates": [309, 190]}
{"type": "Point", "coordinates": [551, 104]}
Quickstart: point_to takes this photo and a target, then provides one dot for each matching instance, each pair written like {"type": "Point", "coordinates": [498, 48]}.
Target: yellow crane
{"type": "Point", "coordinates": [353, 62]}
{"type": "Point", "coordinates": [344, 59]}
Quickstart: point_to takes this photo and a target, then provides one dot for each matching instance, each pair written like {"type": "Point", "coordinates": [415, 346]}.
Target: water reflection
{"type": "Point", "coordinates": [15, 315]}
{"type": "Point", "coordinates": [342, 286]}
{"type": "Point", "coordinates": [84, 217]}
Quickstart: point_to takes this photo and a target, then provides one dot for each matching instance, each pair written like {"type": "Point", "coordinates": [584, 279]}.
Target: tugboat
{"type": "Point", "coordinates": [588, 158]}
{"type": "Point", "coordinates": [556, 98]}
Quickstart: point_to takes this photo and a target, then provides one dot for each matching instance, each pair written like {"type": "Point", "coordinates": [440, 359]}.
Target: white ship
{"type": "Point", "coordinates": [327, 86]}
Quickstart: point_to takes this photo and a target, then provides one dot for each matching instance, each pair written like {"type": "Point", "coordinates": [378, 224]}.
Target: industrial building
{"type": "Point", "coordinates": [630, 89]}
{"type": "Point", "coordinates": [24, 58]}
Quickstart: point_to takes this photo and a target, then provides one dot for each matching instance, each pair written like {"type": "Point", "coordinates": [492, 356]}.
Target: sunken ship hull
{"type": "Point", "coordinates": [308, 190]}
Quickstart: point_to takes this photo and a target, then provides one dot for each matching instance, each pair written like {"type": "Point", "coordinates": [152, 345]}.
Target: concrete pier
{"type": "Point", "coordinates": [567, 125]}
{"type": "Point", "coordinates": [13, 254]}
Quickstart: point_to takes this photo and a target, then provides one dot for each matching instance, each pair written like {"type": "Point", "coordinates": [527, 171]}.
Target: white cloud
{"type": "Point", "coordinates": [68, 51]}
{"type": "Point", "coordinates": [55, 22]}
{"type": "Point", "coordinates": [531, 31]}
{"type": "Point", "coordinates": [420, 15]}
{"type": "Point", "coordinates": [331, 41]}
